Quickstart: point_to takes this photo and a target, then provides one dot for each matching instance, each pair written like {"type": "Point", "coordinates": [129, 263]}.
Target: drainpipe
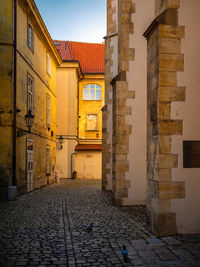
{"type": "Point", "coordinates": [15, 93]}
{"type": "Point", "coordinates": [12, 190]}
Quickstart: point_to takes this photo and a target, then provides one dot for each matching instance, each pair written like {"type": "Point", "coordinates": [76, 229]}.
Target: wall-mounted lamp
{"type": "Point", "coordinates": [60, 141]}
{"type": "Point", "coordinates": [29, 119]}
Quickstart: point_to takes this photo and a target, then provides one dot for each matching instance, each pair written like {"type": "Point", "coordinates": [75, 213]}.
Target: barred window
{"type": "Point", "coordinates": [30, 94]}
{"type": "Point", "coordinates": [30, 36]}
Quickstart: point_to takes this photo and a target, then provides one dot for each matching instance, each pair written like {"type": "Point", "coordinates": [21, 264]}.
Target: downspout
{"type": "Point", "coordinates": [14, 94]}
{"type": "Point", "coordinates": [12, 189]}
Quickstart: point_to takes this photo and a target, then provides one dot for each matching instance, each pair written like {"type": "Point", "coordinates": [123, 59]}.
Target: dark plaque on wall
{"type": "Point", "coordinates": [191, 154]}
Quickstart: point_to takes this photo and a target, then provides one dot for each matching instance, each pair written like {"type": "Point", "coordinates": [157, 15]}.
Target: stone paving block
{"type": "Point", "coordinates": [171, 240]}
{"type": "Point", "coordinates": [47, 228]}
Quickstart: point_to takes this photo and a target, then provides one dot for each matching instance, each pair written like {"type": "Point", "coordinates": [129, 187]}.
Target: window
{"type": "Point", "coordinates": [92, 122]}
{"type": "Point", "coordinates": [47, 159]}
{"type": "Point", "coordinates": [92, 92]}
{"type": "Point", "coordinates": [30, 94]}
{"type": "Point", "coordinates": [48, 106]}
{"type": "Point", "coordinates": [30, 37]}
{"type": "Point", "coordinates": [29, 164]}
{"type": "Point", "coordinates": [48, 64]}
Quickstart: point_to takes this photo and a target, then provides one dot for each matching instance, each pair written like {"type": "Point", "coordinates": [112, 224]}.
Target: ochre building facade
{"type": "Point", "coordinates": [151, 113]}
{"type": "Point", "coordinates": [28, 61]}
{"type": "Point", "coordinates": [80, 98]}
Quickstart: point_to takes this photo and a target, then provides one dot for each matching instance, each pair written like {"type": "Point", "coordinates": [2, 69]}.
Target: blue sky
{"type": "Point", "coordinates": [74, 20]}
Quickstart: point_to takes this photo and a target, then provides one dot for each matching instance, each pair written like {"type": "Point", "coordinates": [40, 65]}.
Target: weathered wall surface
{"type": "Point", "coordinates": [34, 63]}
{"type": "Point", "coordinates": [6, 93]}
{"type": "Point", "coordinates": [187, 209]}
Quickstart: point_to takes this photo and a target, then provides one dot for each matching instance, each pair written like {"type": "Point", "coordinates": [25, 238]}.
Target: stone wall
{"type": "Point", "coordinates": [164, 61]}
{"type": "Point", "coordinates": [121, 93]}
{"type": "Point", "coordinates": [110, 46]}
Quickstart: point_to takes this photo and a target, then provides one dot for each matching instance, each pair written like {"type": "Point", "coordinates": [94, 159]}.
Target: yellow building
{"type": "Point", "coordinates": [28, 61]}
{"type": "Point", "coordinates": [80, 98]}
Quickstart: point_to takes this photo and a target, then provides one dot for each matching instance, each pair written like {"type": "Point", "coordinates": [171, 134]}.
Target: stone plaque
{"type": "Point", "coordinates": [191, 154]}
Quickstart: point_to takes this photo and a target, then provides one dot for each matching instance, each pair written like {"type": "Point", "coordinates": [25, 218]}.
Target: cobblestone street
{"type": "Point", "coordinates": [48, 228]}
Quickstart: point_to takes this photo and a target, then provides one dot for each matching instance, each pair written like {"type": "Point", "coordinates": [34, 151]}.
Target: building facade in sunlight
{"type": "Point", "coordinates": [80, 98]}
{"type": "Point", "coordinates": [151, 131]}
{"type": "Point", "coordinates": [28, 61]}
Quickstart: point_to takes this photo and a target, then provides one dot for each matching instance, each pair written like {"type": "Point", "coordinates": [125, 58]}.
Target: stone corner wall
{"type": "Point", "coordinates": [164, 61]}
{"type": "Point", "coordinates": [121, 93]}
{"type": "Point", "coordinates": [107, 110]}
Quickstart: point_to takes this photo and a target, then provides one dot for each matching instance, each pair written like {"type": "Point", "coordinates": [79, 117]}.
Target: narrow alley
{"type": "Point", "coordinates": [48, 228]}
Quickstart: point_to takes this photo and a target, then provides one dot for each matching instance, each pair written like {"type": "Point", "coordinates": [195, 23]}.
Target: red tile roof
{"type": "Point", "coordinates": [90, 56]}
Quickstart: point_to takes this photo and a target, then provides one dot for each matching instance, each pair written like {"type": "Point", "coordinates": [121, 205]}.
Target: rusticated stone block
{"type": "Point", "coordinates": [171, 127]}
{"type": "Point", "coordinates": [169, 46]}
{"type": "Point", "coordinates": [171, 62]}
{"type": "Point", "coordinates": [178, 94]}
{"type": "Point", "coordinates": [124, 129]}
{"type": "Point", "coordinates": [163, 224]}
{"type": "Point", "coordinates": [121, 166]}
{"type": "Point", "coordinates": [164, 111]}
{"type": "Point", "coordinates": [171, 31]}
{"type": "Point", "coordinates": [167, 78]}
{"type": "Point", "coordinates": [121, 183]}
{"type": "Point", "coordinates": [168, 94]}
{"type": "Point", "coordinates": [171, 190]}
{"type": "Point", "coordinates": [164, 144]}
{"type": "Point", "coordinates": [123, 111]}
{"type": "Point", "coordinates": [121, 149]}
{"type": "Point", "coordinates": [160, 205]}
{"type": "Point", "coordinates": [121, 192]}
{"type": "Point", "coordinates": [165, 175]}
{"type": "Point", "coordinates": [167, 161]}
{"type": "Point", "coordinates": [120, 139]}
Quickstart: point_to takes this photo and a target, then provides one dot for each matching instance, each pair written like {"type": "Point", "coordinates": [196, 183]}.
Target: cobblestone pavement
{"type": "Point", "coordinates": [48, 228]}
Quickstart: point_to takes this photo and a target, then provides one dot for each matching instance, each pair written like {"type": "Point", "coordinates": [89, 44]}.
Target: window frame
{"type": "Point", "coordinates": [48, 110]}
{"type": "Point", "coordinates": [48, 64]}
{"type": "Point", "coordinates": [48, 161]}
{"type": "Point", "coordinates": [92, 130]}
{"type": "Point", "coordinates": [89, 92]}
{"type": "Point", "coordinates": [30, 45]}
{"type": "Point", "coordinates": [30, 92]}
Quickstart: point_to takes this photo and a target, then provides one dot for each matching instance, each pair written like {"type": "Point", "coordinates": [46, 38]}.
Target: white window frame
{"type": "Point", "coordinates": [87, 124]}
{"type": "Point", "coordinates": [89, 89]}
{"type": "Point", "coordinates": [48, 110]}
{"type": "Point", "coordinates": [48, 64]}
{"type": "Point", "coordinates": [30, 37]}
{"type": "Point", "coordinates": [30, 93]}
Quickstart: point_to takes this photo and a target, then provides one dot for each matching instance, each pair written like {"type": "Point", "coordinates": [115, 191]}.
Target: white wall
{"type": "Point", "coordinates": [137, 78]}
{"type": "Point", "coordinates": [188, 210]}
